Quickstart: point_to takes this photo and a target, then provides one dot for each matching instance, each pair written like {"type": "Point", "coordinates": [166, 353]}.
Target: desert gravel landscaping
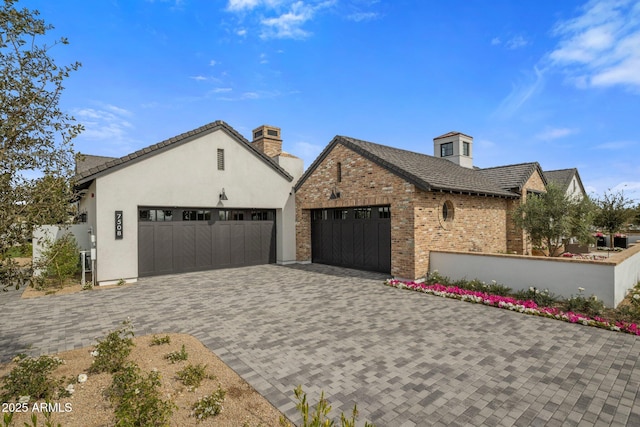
{"type": "Point", "coordinates": [243, 406]}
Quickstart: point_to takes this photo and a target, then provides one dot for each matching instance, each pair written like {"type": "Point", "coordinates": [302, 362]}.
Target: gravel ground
{"type": "Point", "coordinates": [243, 406]}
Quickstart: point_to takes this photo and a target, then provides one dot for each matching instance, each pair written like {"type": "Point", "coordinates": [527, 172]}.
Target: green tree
{"type": "Point", "coordinates": [550, 217]}
{"type": "Point", "coordinates": [614, 212]}
{"type": "Point", "coordinates": [35, 134]}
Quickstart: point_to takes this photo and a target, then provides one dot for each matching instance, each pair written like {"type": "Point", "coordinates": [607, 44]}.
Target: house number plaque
{"type": "Point", "coordinates": [119, 225]}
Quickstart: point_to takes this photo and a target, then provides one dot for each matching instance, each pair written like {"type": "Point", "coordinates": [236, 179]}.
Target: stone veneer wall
{"type": "Point", "coordinates": [478, 225]}
{"type": "Point", "coordinates": [416, 218]}
{"type": "Point", "coordinates": [364, 183]}
{"type": "Point", "coordinates": [517, 240]}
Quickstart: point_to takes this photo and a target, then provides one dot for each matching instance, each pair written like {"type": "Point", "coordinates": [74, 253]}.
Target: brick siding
{"type": "Point", "coordinates": [479, 223]}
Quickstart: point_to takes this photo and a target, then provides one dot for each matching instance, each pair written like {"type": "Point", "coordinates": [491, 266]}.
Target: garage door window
{"type": "Point", "coordinates": [156, 215]}
{"type": "Point", "coordinates": [194, 215]}
{"type": "Point", "coordinates": [363, 213]}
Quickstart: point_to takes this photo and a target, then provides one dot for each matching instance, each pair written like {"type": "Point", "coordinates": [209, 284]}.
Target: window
{"type": "Point", "coordinates": [257, 134]}
{"type": "Point", "coordinates": [237, 215]}
{"type": "Point", "coordinates": [339, 172]}
{"type": "Point", "coordinates": [340, 214]}
{"type": "Point", "coordinates": [272, 132]}
{"type": "Point", "coordinates": [363, 213]}
{"type": "Point", "coordinates": [465, 149]}
{"type": "Point", "coordinates": [384, 212]}
{"type": "Point", "coordinates": [446, 149]}
{"type": "Point", "coordinates": [155, 215]}
{"type": "Point", "coordinates": [220, 159]}
{"type": "Point", "coordinates": [447, 211]}
{"type": "Point", "coordinates": [194, 215]}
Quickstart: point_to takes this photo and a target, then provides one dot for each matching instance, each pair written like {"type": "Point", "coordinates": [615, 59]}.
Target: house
{"type": "Point", "coordinates": [375, 207]}
{"type": "Point", "coordinates": [204, 199]}
{"type": "Point", "coordinates": [568, 180]}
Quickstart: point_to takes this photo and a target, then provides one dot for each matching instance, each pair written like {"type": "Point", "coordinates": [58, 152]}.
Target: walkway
{"type": "Point", "coordinates": [405, 358]}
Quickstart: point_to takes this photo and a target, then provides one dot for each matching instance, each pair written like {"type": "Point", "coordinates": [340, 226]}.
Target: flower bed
{"type": "Point", "coordinates": [509, 303]}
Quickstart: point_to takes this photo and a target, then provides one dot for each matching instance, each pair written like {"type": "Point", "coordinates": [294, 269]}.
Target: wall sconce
{"type": "Point", "coordinates": [223, 196]}
{"type": "Point", "coordinates": [334, 194]}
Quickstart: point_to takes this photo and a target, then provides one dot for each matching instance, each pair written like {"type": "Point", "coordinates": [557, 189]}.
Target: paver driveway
{"type": "Point", "coordinates": [406, 358]}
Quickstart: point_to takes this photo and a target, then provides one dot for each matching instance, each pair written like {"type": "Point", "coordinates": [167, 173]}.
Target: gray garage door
{"type": "Point", "coordinates": [181, 240]}
{"type": "Point", "coordinates": [352, 237]}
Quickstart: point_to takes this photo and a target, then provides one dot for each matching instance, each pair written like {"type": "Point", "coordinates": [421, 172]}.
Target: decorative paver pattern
{"type": "Point", "coordinates": [406, 359]}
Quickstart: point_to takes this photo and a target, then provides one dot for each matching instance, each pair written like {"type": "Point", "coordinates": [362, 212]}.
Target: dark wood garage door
{"type": "Point", "coordinates": [182, 240]}
{"type": "Point", "coordinates": [352, 237]}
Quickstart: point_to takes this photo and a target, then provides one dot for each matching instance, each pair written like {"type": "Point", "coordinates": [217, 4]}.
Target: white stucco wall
{"type": "Point", "coordinates": [187, 176]}
{"type": "Point", "coordinates": [561, 277]}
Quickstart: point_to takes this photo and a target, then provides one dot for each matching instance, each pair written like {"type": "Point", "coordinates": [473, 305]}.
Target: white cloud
{"type": "Point", "coordinates": [238, 5]}
{"type": "Point", "coordinates": [107, 123]}
{"type": "Point", "coordinates": [289, 24]}
{"type": "Point", "coordinates": [198, 78]}
{"type": "Point", "coordinates": [516, 42]}
{"type": "Point", "coordinates": [521, 93]}
{"type": "Point", "coordinates": [213, 63]}
{"type": "Point", "coordinates": [601, 47]}
{"type": "Point", "coordinates": [280, 18]}
{"type": "Point", "coordinates": [614, 145]}
{"type": "Point", "coordinates": [555, 133]}
{"type": "Point", "coordinates": [496, 41]}
{"type": "Point", "coordinates": [222, 90]}
{"type": "Point", "coordinates": [363, 16]}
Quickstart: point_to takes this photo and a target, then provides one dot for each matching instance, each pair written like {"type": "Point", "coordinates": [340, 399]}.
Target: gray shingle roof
{"type": "Point", "coordinates": [426, 172]}
{"type": "Point", "coordinates": [87, 175]}
{"type": "Point", "coordinates": [512, 177]}
{"type": "Point", "coordinates": [85, 162]}
{"type": "Point", "coordinates": [561, 177]}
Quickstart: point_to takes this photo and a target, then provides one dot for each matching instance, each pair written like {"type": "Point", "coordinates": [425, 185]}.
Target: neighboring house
{"type": "Point", "coordinates": [568, 180]}
{"type": "Point", "coordinates": [201, 200]}
{"type": "Point", "coordinates": [375, 207]}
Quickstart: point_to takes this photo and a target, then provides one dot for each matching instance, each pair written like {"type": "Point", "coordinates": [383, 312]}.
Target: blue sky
{"type": "Point", "coordinates": [557, 82]}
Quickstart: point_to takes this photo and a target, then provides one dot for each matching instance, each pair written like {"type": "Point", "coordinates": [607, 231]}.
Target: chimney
{"type": "Point", "coordinates": [267, 139]}
{"type": "Point", "coordinates": [456, 147]}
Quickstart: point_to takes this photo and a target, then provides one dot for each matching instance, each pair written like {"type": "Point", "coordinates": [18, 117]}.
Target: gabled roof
{"type": "Point", "coordinates": [89, 175]}
{"type": "Point", "coordinates": [512, 177]}
{"type": "Point", "coordinates": [452, 133]}
{"type": "Point", "coordinates": [84, 162]}
{"type": "Point", "coordinates": [425, 172]}
{"type": "Point", "coordinates": [563, 177]}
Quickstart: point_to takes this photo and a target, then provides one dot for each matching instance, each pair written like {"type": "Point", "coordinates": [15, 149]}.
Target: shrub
{"type": "Point", "coordinates": [193, 375]}
{"type": "Point", "coordinates": [176, 356]}
{"type": "Point", "coordinates": [209, 406]}
{"type": "Point", "coordinates": [543, 298]}
{"type": "Point", "coordinates": [436, 278]}
{"type": "Point", "coordinates": [156, 340]}
{"type": "Point", "coordinates": [60, 259]}
{"type": "Point", "coordinates": [137, 398]}
{"type": "Point", "coordinates": [492, 288]}
{"type": "Point", "coordinates": [12, 274]}
{"type": "Point", "coordinates": [32, 377]}
{"type": "Point", "coordinates": [591, 306]}
{"type": "Point", "coordinates": [112, 352]}
{"type": "Point", "coordinates": [319, 417]}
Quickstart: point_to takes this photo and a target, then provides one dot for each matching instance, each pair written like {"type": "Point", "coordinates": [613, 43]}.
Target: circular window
{"type": "Point", "coordinates": [447, 211]}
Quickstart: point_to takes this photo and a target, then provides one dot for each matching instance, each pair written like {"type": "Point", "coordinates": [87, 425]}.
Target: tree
{"type": "Point", "coordinates": [614, 212]}
{"type": "Point", "coordinates": [35, 134]}
{"type": "Point", "coordinates": [550, 217]}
